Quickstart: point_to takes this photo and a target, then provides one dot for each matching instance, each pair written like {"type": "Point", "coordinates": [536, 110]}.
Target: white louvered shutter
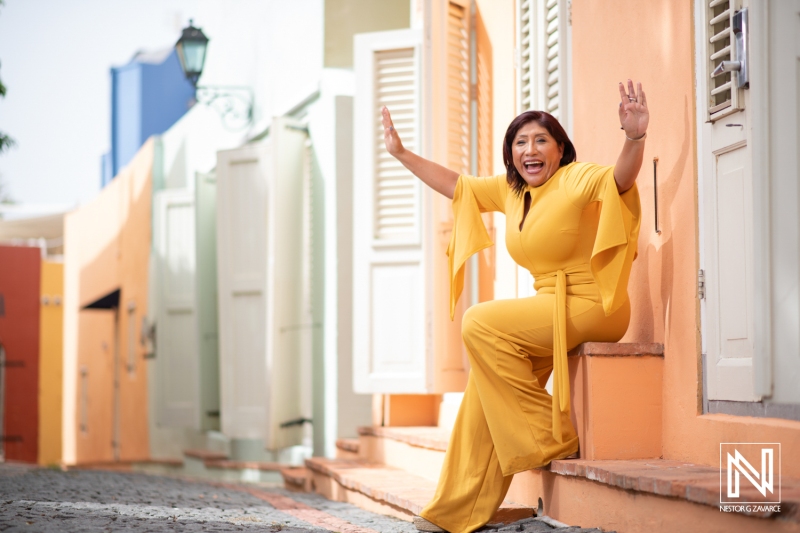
{"type": "Point", "coordinates": [723, 96]}
{"type": "Point", "coordinates": [389, 297]}
{"type": "Point", "coordinates": [543, 65]}
{"type": "Point", "coordinates": [397, 192]}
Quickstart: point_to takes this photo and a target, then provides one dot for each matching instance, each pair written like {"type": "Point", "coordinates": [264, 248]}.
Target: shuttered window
{"type": "Point", "coordinates": [542, 48]}
{"type": "Point", "coordinates": [721, 90]}
{"type": "Point", "coordinates": [458, 88]}
{"type": "Point", "coordinates": [551, 101]}
{"type": "Point", "coordinates": [483, 97]}
{"type": "Point", "coordinates": [396, 213]}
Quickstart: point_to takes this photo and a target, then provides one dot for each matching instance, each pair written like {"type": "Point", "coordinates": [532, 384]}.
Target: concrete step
{"type": "Point", "coordinates": [644, 495]}
{"type": "Point", "coordinates": [347, 448]}
{"type": "Point", "coordinates": [297, 479]}
{"type": "Point", "coordinates": [603, 493]}
{"type": "Point", "coordinates": [386, 490]}
{"type": "Point", "coordinates": [217, 466]}
{"type": "Point", "coordinates": [159, 467]}
{"type": "Point", "coordinates": [417, 450]}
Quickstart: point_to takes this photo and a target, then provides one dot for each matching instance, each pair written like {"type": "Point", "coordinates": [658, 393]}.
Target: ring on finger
{"type": "Point", "coordinates": [631, 99]}
{"type": "Point", "coordinates": [391, 128]}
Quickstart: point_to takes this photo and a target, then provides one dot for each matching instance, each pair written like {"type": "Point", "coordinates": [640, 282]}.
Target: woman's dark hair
{"type": "Point", "coordinates": [553, 127]}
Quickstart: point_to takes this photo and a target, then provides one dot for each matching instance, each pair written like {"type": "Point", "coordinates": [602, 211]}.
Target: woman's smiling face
{"type": "Point", "coordinates": [536, 154]}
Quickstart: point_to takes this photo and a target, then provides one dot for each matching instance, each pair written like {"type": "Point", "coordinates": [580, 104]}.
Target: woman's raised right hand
{"type": "Point", "coordinates": [390, 137]}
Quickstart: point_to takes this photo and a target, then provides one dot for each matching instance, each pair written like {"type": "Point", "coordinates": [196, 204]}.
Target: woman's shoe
{"type": "Point", "coordinates": [423, 525]}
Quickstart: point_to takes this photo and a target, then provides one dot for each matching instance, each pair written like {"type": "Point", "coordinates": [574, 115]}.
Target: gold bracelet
{"type": "Point", "coordinates": [643, 137]}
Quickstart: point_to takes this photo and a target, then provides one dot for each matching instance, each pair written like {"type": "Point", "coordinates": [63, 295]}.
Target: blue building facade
{"type": "Point", "coordinates": [148, 95]}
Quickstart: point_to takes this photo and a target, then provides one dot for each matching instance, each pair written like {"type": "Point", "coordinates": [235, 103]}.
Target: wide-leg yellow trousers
{"type": "Point", "coordinates": [504, 425]}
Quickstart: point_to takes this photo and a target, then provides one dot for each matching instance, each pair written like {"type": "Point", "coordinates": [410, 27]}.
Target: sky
{"type": "Point", "coordinates": [55, 57]}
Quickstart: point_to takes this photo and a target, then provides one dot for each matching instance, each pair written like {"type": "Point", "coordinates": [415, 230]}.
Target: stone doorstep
{"type": "Point", "coordinates": [205, 455]}
{"type": "Point", "coordinates": [348, 445]}
{"type": "Point", "coordinates": [677, 479]}
{"type": "Point", "coordinates": [295, 475]}
{"type": "Point", "coordinates": [430, 437]}
{"type": "Point", "coordinates": [227, 464]}
{"type": "Point", "coordinates": [396, 487]}
{"type": "Point", "coordinates": [618, 349]}
{"type": "Point", "coordinates": [297, 479]}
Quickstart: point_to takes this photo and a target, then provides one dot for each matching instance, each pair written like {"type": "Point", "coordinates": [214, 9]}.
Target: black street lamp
{"type": "Point", "coordinates": [234, 104]}
{"type": "Point", "coordinates": [191, 49]}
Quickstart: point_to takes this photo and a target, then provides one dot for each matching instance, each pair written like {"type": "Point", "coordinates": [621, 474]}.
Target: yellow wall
{"type": "Point", "coordinates": [51, 320]}
{"type": "Point", "coordinates": [345, 18]}
{"type": "Point", "coordinates": [107, 247]}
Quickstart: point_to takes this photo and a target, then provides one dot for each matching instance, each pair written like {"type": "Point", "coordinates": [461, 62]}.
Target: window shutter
{"type": "Point", "coordinates": [722, 91]}
{"type": "Point", "coordinates": [525, 45]}
{"type": "Point", "coordinates": [551, 90]}
{"type": "Point", "coordinates": [397, 198]}
{"type": "Point", "coordinates": [389, 262]}
{"type": "Point", "coordinates": [458, 88]}
{"type": "Point", "coordinates": [542, 42]}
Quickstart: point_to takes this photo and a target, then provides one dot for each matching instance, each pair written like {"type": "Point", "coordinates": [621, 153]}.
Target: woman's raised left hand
{"type": "Point", "coordinates": [633, 113]}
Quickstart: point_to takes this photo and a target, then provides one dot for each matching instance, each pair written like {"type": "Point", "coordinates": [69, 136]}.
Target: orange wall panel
{"type": "Point", "coordinates": [653, 42]}
{"type": "Point", "coordinates": [107, 248]}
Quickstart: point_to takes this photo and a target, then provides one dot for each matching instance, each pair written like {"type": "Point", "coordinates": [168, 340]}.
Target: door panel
{"type": "Point", "coordinates": [390, 314]}
{"type": "Point", "coordinates": [176, 341]}
{"type": "Point", "coordinates": [242, 210]}
{"type": "Point", "coordinates": [784, 151]}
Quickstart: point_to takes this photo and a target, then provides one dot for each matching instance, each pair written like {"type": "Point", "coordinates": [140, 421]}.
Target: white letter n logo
{"type": "Point", "coordinates": [740, 465]}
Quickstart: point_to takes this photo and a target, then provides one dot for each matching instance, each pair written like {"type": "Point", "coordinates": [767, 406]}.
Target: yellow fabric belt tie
{"type": "Point", "coordinates": [560, 365]}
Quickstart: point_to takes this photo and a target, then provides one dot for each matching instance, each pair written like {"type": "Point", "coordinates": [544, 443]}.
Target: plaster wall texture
{"type": "Point", "coordinates": [652, 42]}
{"type": "Point", "coordinates": [107, 247]}
{"type": "Point", "coordinates": [51, 339]}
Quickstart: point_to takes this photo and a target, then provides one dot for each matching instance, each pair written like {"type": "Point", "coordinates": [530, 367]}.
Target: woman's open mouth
{"type": "Point", "coordinates": [533, 167]}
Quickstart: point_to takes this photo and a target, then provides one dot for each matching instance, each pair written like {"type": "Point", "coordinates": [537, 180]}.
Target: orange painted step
{"type": "Point", "coordinates": [388, 488]}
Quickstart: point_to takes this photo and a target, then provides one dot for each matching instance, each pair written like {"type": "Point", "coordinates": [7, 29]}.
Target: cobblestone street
{"type": "Point", "coordinates": [49, 500]}
{"type": "Point", "coordinates": [46, 500]}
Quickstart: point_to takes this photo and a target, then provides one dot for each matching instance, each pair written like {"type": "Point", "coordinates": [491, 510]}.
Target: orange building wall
{"type": "Point", "coordinates": [51, 331]}
{"type": "Point", "coordinates": [653, 42]}
{"type": "Point", "coordinates": [107, 247]}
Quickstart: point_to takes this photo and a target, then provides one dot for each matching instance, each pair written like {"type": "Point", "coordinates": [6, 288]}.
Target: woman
{"type": "Point", "coordinates": [575, 227]}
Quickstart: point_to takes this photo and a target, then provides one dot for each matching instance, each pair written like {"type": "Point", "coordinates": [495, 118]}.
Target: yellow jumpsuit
{"type": "Point", "coordinates": [578, 240]}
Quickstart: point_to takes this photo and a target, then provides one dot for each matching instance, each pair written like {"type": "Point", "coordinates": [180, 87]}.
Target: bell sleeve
{"type": "Point", "coordinates": [615, 246]}
{"type": "Point", "coordinates": [471, 197]}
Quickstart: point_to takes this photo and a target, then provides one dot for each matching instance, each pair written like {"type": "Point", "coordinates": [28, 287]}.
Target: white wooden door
{"type": "Point", "coordinates": [782, 369]}
{"type": "Point", "coordinates": [390, 318]}
{"type": "Point", "coordinates": [205, 191]}
{"type": "Point", "coordinates": [727, 215]}
{"type": "Point", "coordinates": [288, 327]}
{"type": "Point", "coordinates": [260, 257]}
{"type": "Point", "coordinates": [242, 223]}
{"type": "Point", "coordinates": [176, 319]}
